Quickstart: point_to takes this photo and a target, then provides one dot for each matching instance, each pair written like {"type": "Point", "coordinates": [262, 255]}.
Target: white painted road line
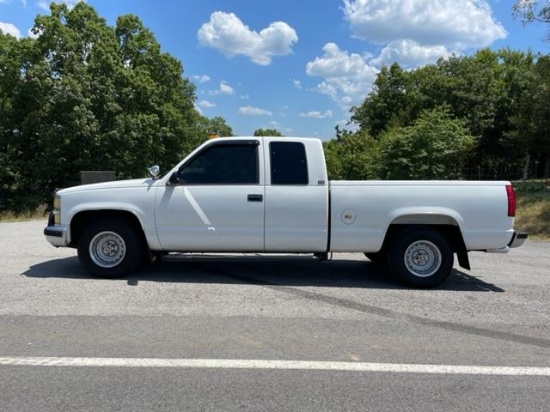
{"type": "Point", "coordinates": [276, 365]}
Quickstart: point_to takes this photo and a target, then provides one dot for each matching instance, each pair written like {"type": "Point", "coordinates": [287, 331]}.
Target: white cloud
{"type": "Point", "coordinates": [245, 97]}
{"type": "Point", "coordinates": [226, 33]}
{"type": "Point", "coordinates": [317, 114]}
{"type": "Point", "coordinates": [206, 104]}
{"type": "Point", "coordinates": [224, 89]}
{"type": "Point", "coordinates": [347, 77]}
{"type": "Point", "coordinates": [411, 54]}
{"type": "Point", "coordinates": [458, 23]}
{"type": "Point", "coordinates": [202, 78]}
{"type": "Point", "coordinates": [254, 111]}
{"type": "Point", "coordinates": [412, 33]}
{"type": "Point", "coordinates": [297, 84]}
{"type": "Point", "coordinates": [8, 28]}
{"type": "Point", "coordinates": [45, 4]}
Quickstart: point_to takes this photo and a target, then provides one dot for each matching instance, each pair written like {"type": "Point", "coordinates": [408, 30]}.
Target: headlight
{"type": "Point", "coordinates": [57, 210]}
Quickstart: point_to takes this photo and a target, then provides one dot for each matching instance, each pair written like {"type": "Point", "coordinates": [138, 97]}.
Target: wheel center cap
{"type": "Point", "coordinates": [420, 258]}
{"type": "Point", "coordinates": [110, 248]}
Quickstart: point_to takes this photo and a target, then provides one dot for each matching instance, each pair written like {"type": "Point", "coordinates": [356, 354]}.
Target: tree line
{"type": "Point", "coordinates": [484, 116]}
{"type": "Point", "coordinates": [80, 94]}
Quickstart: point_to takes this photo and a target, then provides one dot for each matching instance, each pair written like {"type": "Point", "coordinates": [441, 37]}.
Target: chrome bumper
{"type": "Point", "coordinates": [56, 236]}
{"type": "Point", "coordinates": [518, 238]}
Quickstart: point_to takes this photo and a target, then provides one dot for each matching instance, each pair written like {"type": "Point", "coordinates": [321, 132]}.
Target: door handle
{"type": "Point", "coordinates": [255, 198]}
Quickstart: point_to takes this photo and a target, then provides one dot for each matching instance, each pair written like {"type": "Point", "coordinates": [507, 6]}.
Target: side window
{"type": "Point", "coordinates": [229, 164]}
{"type": "Point", "coordinates": [288, 163]}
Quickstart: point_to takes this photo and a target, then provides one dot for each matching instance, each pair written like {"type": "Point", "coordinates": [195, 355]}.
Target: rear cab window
{"type": "Point", "coordinates": [288, 163]}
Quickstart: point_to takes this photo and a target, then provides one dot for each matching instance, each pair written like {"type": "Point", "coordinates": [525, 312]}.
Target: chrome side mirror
{"type": "Point", "coordinates": [154, 171]}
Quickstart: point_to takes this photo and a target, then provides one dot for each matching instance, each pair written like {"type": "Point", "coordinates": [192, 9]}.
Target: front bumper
{"type": "Point", "coordinates": [518, 238]}
{"type": "Point", "coordinates": [56, 235]}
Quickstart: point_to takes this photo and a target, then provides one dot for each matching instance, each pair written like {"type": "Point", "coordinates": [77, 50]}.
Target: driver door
{"type": "Point", "coordinates": [215, 202]}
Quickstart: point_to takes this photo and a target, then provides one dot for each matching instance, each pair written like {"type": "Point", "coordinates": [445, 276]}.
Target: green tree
{"type": "Point", "coordinates": [84, 95]}
{"type": "Point", "coordinates": [532, 122]}
{"type": "Point", "coordinates": [215, 126]}
{"type": "Point", "coordinates": [484, 90]}
{"type": "Point", "coordinates": [350, 156]}
{"type": "Point", "coordinates": [267, 132]}
{"type": "Point", "coordinates": [435, 147]}
{"type": "Point", "coordinates": [384, 105]}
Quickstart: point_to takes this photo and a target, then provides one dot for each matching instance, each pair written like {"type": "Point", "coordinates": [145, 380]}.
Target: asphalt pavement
{"type": "Point", "coordinates": [281, 333]}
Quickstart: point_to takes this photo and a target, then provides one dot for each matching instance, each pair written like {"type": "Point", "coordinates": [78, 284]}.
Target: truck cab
{"type": "Point", "coordinates": [255, 195]}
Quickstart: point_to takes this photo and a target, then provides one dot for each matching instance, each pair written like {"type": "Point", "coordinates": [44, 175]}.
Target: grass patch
{"type": "Point", "coordinates": [39, 213]}
{"type": "Point", "coordinates": [533, 214]}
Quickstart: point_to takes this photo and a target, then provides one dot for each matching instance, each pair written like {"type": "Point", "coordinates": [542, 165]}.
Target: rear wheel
{"type": "Point", "coordinates": [110, 248]}
{"type": "Point", "coordinates": [421, 257]}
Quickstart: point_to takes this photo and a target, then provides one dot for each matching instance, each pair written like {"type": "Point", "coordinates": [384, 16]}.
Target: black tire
{"type": "Point", "coordinates": [110, 248]}
{"type": "Point", "coordinates": [421, 257]}
{"type": "Point", "coordinates": [378, 257]}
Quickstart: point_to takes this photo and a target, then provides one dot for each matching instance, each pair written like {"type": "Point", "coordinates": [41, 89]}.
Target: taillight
{"type": "Point", "coordinates": [511, 201]}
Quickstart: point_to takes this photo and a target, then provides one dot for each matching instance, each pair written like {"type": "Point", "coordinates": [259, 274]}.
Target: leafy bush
{"type": "Point", "coordinates": [529, 186]}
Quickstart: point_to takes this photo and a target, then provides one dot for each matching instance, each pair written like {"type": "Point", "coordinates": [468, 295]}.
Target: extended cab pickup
{"type": "Point", "coordinates": [272, 194]}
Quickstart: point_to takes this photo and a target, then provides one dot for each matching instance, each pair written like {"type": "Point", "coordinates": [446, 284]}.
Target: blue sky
{"type": "Point", "coordinates": [299, 65]}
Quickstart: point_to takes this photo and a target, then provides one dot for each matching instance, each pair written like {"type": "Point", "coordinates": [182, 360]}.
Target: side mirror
{"type": "Point", "coordinates": [154, 171]}
{"type": "Point", "coordinates": [174, 180]}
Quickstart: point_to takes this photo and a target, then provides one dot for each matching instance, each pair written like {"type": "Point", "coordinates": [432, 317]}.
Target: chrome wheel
{"type": "Point", "coordinates": [107, 249]}
{"type": "Point", "coordinates": [422, 258]}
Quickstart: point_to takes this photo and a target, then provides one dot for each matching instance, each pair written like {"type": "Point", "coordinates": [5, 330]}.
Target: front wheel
{"type": "Point", "coordinates": [110, 248]}
{"type": "Point", "coordinates": [421, 257]}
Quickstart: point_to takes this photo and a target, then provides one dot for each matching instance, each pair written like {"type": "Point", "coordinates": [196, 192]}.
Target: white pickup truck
{"type": "Point", "coordinates": [272, 195]}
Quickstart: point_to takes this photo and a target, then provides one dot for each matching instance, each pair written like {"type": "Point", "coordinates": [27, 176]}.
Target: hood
{"type": "Point", "coordinates": [114, 185]}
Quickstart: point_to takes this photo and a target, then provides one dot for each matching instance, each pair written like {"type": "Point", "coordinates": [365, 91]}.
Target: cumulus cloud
{"type": "Point", "coordinates": [254, 111]}
{"type": "Point", "coordinates": [45, 4]}
{"type": "Point", "coordinates": [8, 28]}
{"type": "Point", "coordinates": [223, 89]}
{"type": "Point", "coordinates": [460, 23]}
{"type": "Point", "coordinates": [317, 114]}
{"type": "Point", "coordinates": [410, 32]}
{"type": "Point", "coordinates": [206, 104]}
{"type": "Point", "coordinates": [226, 89]}
{"type": "Point", "coordinates": [226, 33]}
{"type": "Point", "coordinates": [411, 54]}
{"type": "Point", "coordinates": [347, 76]}
{"type": "Point", "coordinates": [202, 78]}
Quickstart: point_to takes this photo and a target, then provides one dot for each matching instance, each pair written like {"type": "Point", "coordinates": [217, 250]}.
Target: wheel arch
{"type": "Point", "coordinates": [446, 224]}
{"type": "Point", "coordinates": [84, 218]}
